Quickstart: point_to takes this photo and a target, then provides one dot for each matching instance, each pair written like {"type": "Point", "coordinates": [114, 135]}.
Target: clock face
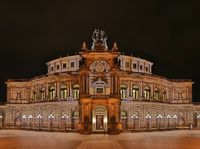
{"type": "Point", "coordinates": [99, 67]}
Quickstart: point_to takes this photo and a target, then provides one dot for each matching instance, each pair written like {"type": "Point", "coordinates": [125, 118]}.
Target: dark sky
{"type": "Point", "coordinates": [164, 32]}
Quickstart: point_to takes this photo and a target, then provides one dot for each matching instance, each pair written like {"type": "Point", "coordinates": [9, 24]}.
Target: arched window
{"type": "Point", "coordinates": [52, 92]}
{"type": "Point", "coordinates": [164, 95]}
{"type": "Point", "coordinates": [135, 92]}
{"type": "Point", "coordinates": [76, 91]}
{"type": "Point", "coordinates": [123, 115]}
{"type": "Point", "coordinates": [146, 92]}
{"type": "Point", "coordinates": [35, 94]}
{"type": "Point", "coordinates": [63, 92]}
{"type": "Point", "coordinates": [180, 95]}
{"type": "Point", "coordinates": [123, 90]}
{"type": "Point", "coordinates": [156, 94]}
{"type": "Point", "coordinates": [42, 93]}
{"type": "Point", "coordinates": [19, 95]}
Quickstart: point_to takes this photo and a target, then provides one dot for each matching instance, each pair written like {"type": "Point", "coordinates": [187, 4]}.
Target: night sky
{"type": "Point", "coordinates": [164, 32]}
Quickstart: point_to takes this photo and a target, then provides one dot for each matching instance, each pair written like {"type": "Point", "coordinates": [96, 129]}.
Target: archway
{"type": "Point", "coordinates": [75, 120]}
{"type": "Point", "coordinates": [99, 118]}
{"type": "Point", "coordinates": [124, 119]}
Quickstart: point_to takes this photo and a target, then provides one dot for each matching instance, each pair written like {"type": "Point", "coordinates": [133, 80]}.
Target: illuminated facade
{"type": "Point", "coordinates": [99, 90]}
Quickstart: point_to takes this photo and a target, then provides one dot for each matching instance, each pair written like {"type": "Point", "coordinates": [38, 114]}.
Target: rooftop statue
{"type": "Point", "coordinates": [99, 36]}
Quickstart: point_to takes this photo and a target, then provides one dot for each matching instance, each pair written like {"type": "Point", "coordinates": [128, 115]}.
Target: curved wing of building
{"type": "Point", "coordinates": [99, 90]}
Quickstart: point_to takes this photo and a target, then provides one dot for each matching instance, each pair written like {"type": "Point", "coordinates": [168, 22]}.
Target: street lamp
{"type": "Point", "coordinates": [30, 119]}
{"type": "Point", "coordinates": [24, 120]}
{"type": "Point", "coordinates": [134, 117]}
{"type": "Point", "coordinates": [51, 117]}
{"type": "Point", "coordinates": [175, 120]}
{"type": "Point", "coordinates": [39, 118]}
{"type": "Point", "coordinates": [168, 119]}
{"type": "Point", "coordinates": [159, 117]}
{"type": "Point", "coordinates": [65, 117]}
{"type": "Point", "coordinates": [148, 117]}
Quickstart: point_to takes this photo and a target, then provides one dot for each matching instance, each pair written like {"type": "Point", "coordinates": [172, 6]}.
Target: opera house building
{"type": "Point", "coordinates": [99, 90]}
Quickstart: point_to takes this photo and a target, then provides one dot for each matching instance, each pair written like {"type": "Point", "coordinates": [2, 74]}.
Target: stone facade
{"type": "Point", "coordinates": [99, 90]}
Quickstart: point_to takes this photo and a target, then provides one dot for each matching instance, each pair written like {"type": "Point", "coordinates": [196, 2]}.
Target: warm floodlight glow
{"type": "Point", "coordinates": [51, 116]}
{"type": "Point", "coordinates": [39, 116]}
{"type": "Point", "coordinates": [148, 116]}
{"type": "Point", "coordinates": [168, 117]}
{"type": "Point", "coordinates": [24, 116]}
{"type": "Point", "coordinates": [159, 116]}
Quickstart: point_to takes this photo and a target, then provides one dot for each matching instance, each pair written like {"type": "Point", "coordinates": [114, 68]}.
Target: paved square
{"type": "Point", "coordinates": [18, 139]}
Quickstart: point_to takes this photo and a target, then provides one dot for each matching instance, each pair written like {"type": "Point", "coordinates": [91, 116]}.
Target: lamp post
{"type": "Point", "coordinates": [198, 118]}
{"type": "Point", "coordinates": [159, 118]}
{"type": "Point", "coordinates": [24, 120]}
{"type": "Point", "coordinates": [65, 117]}
{"type": "Point", "coordinates": [148, 118]}
{"type": "Point", "coordinates": [175, 120]}
{"type": "Point", "coordinates": [168, 119]}
{"type": "Point", "coordinates": [134, 117]}
{"type": "Point", "coordinates": [39, 118]}
{"type": "Point", "coordinates": [51, 117]}
{"type": "Point", "coordinates": [30, 119]}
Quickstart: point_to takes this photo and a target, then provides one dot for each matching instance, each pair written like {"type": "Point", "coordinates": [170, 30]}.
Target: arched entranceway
{"type": "Point", "coordinates": [75, 120]}
{"type": "Point", "coordinates": [99, 118]}
{"type": "Point", "coordinates": [124, 119]}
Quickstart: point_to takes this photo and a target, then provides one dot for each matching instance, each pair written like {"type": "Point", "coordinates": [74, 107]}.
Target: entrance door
{"type": "Point", "coordinates": [99, 122]}
{"type": "Point", "coordinates": [99, 118]}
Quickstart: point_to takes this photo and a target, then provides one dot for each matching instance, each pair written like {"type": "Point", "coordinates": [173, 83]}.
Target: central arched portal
{"type": "Point", "coordinates": [99, 118]}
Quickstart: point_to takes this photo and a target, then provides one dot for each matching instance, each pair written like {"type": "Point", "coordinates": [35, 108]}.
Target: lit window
{"type": "Point", "coordinates": [42, 93]}
{"type": "Point", "coordinates": [147, 92]}
{"type": "Point", "coordinates": [135, 92]}
{"type": "Point", "coordinates": [123, 89]}
{"type": "Point", "coordinates": [63, 92]}
{"type": "Point", "coordinates": [156, 94]}
{"type": "Point", "coordinates": [18, 95]}
{"type": "Point", "coordinates": [35, 95]}
{"type": "Point", "coordinates": [76, 91]}
{"type": "Point", "coordinates": [180, 95]}
{"type": "Point", "coordinates": [52, 92]}
{"type": "Point", "coordinates": [164, 95]}
{"type": "Point", "coordinates": [123, 115]}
